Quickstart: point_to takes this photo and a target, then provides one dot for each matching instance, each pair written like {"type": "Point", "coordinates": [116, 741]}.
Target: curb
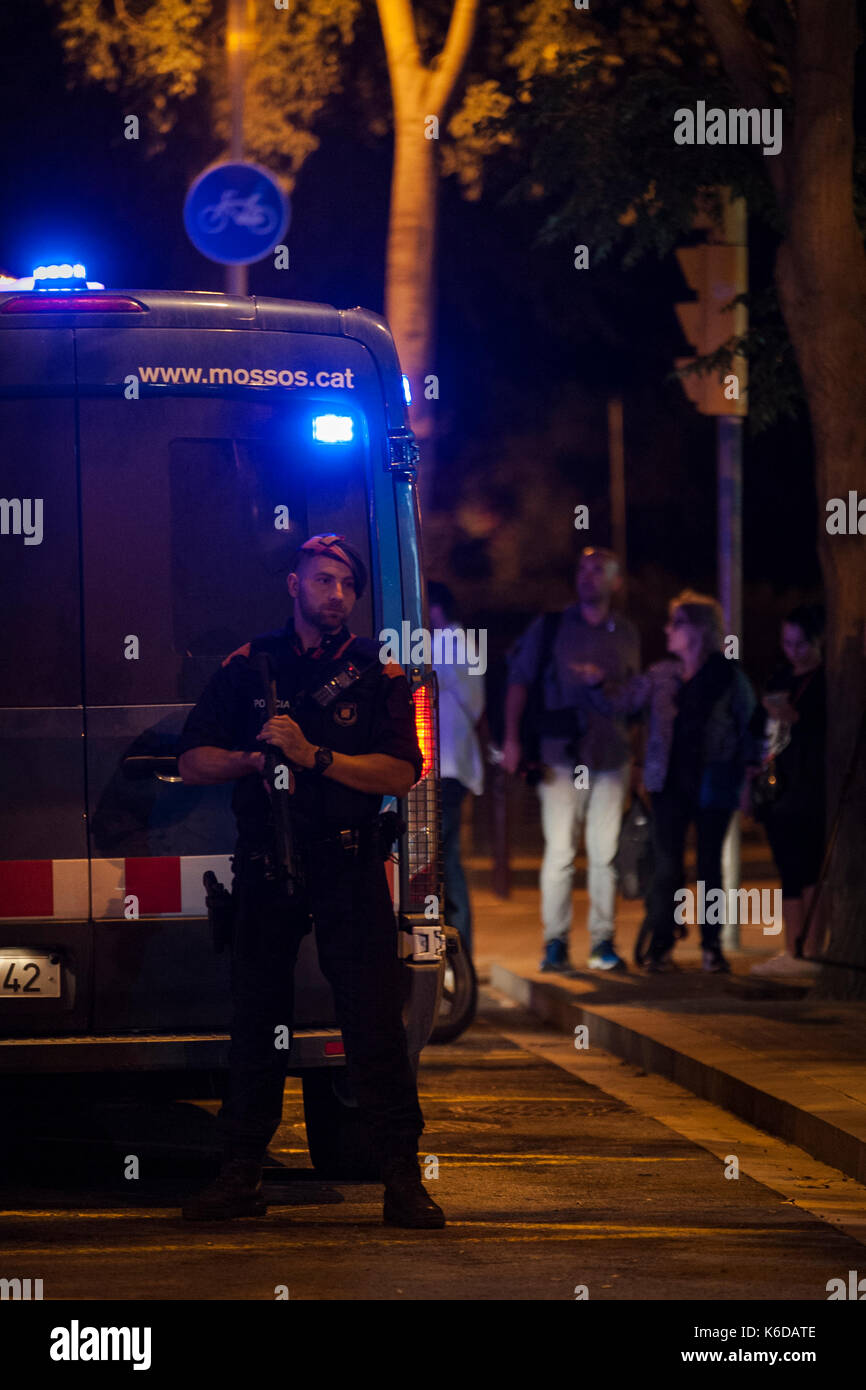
{"type": "Point", "coordinates": [672, 1049]}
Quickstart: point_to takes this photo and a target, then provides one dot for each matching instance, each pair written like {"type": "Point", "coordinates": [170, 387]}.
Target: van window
{"type": "Point", "coordinates": [192, 508]}
{"type": "Point", "coordinates": [185, 501]}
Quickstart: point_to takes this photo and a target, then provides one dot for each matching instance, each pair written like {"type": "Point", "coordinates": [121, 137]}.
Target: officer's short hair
{"type": "Point", "coordinates": [338, 548]}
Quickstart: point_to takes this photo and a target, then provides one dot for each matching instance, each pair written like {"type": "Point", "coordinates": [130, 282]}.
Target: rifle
{"type": "Point", "coordinates": [274, 759]}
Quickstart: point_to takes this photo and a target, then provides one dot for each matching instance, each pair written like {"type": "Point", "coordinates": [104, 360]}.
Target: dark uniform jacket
{"type": "Point", "coordinates": [372, 715]}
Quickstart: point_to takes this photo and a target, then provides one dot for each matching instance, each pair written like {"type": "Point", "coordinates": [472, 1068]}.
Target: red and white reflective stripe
{"type": "Point", "coordinates": [169, 886]}
{"type": "Point", "coordinates": [163, 886]}
{"type": "Point", "coordinates": [44, 888]}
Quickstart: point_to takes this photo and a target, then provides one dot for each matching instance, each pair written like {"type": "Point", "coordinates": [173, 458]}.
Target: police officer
{"type": "Point", "coordinates": [345, 752]}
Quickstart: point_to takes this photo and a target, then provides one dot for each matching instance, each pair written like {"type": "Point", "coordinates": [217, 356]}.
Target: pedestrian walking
{"type": "Point", "coordinates": [344, 754]}
{"type": "Point", "coordinates": [788, 791]}
{"type": "Point", "coordinates": [461, 768]}
{"type": "Point", "coordinates": [584, 751]}
{"type": "Point", "coordinates": [698, 705]}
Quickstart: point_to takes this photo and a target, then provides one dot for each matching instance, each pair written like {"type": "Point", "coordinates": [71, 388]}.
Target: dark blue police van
{"type": "Point", "coordinates": [162, 456]}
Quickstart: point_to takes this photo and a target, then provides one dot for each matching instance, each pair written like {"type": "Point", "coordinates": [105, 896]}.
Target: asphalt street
{"type": "Point", "coordinates": [554, 1188]}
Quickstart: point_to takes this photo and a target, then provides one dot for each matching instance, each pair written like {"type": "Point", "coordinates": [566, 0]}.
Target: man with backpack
{"type": "Point", "coordinates": [578, 757]}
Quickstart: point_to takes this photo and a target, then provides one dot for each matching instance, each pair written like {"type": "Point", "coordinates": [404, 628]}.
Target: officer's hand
{"type": "Point", "coordinates": [285, 734]}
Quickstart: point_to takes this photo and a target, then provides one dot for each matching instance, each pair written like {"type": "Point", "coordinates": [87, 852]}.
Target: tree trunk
{"type": "Point", "coordinates": [821, 279]}
{"type": "Point", "coordinates": [418, 93]}
{"type": "Point", "coordinates": [410, 267]}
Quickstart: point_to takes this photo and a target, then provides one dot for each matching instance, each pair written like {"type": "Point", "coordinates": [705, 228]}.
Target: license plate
{"type": "Point", "coordinates": [29, 975]}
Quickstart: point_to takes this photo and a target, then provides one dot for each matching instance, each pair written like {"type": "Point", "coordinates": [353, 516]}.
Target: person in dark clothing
{"type": "Point", "coordinates": [699, 745]}
{"type": "Point", "coordinates": [344, 750]}
{"type": "Point", "coordinates": [793, 722]}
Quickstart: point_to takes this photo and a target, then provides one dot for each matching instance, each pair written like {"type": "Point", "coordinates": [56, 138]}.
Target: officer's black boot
{"type": "Point", "coordinates": [407, 1202]}
{"type": "Point", "coordinates": [236, 1192]}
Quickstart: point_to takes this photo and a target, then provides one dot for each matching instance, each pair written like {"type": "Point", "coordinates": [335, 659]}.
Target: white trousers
{"type": "Point", "coordinates": [564, 809]}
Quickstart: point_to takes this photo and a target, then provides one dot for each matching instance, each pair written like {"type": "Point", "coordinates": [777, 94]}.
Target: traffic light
{"type": "Point", "coordinates": [717, 273]}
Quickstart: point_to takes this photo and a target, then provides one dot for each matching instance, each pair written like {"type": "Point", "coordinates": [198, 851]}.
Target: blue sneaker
{"type": "Point", "coordinates": [556, 958]}
{"type": "Point", "coordinates": [604, 957]}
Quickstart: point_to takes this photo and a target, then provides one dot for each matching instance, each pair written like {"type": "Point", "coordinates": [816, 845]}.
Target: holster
{"type": "Point", "coordinates": [390, 828]}
{"type": "Point", "coordinates": [221, 909]}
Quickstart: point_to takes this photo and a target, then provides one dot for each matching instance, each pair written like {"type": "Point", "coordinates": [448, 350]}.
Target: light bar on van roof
{"type": "Point", "coordinates": [70, 284]}
{"type": "Point", "coordinates": [70, 302]}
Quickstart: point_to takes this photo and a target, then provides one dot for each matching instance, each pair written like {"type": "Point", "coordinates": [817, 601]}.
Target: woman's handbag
{"type": "Point", "coordinates": [633, 862]}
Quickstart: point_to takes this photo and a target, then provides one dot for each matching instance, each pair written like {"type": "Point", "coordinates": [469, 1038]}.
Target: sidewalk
{"type": "Point", "coordinates": [790, 1065]}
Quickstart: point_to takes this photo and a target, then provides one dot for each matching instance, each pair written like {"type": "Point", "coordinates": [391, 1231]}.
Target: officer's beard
{"type": "Point", "coordinates": [322, 619]}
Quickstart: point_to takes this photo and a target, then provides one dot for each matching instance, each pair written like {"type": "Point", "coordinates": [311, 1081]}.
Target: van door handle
{"type": "Point", "coordinates": [138, 766]}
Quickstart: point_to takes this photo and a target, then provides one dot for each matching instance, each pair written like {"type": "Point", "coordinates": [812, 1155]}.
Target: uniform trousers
{"type": "Point", "coordinates": [356, 936]}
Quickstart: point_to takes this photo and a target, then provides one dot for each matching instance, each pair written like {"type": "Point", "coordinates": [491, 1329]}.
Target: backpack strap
{"type": "Point", "coordinates": [549, 630]}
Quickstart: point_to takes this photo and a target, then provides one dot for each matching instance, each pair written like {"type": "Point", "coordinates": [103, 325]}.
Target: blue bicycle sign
{"type": "Point", "coordinates": [236, 213]}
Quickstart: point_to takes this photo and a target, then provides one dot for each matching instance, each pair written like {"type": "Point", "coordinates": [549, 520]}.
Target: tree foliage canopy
{"type": "Point", "coordinates": [161, 53]}
{"type": "Point", "coordinates": [580, 119]}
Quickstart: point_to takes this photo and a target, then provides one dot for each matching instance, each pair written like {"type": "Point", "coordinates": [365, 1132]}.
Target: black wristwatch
{"type": "Point", "coordinates": [323, 759]}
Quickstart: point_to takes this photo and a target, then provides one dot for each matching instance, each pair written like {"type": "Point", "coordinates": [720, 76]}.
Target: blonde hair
{"type": "Point", "coordinates": [705, 614]}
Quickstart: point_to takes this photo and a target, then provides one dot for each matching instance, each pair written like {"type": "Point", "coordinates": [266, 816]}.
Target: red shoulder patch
{"type": "Point", "coordinates": [392, 669]}
{"type": "Point", "coordinates": [347, 643]}
{"type": "Point", "coordinates": [241, 651]}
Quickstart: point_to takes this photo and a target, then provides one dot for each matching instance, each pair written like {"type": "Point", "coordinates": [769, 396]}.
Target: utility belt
{"type": "Point", "coordinates": [265, 864]}
{"type": "Point", "coordinates": [263, 868]}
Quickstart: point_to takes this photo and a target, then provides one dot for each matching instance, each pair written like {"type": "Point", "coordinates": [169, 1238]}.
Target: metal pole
{"type": "Point", "coordinates": [730, 575]}
{"type": "Point", "coordinates": [499, 818]}
{"type": "Point", "coordinates": [616, 456]}
{"type": "Point", "coordinates": [236, 57]}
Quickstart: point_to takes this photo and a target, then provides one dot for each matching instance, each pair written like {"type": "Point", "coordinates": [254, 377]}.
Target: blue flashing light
{"type": "Point", "coordinates": [407, 390]}
{"type": "Point", "coordinates": [333, 429]}
{"type": "Point", "coordinates": [59, 276]}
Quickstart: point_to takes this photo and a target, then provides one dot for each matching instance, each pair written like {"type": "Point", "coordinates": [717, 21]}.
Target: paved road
{"type": "Point", "coordinates": [548, 1182]}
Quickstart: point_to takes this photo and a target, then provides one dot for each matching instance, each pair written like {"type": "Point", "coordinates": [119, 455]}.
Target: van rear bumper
{"type": "Point", "coordinates": [311, 1047]}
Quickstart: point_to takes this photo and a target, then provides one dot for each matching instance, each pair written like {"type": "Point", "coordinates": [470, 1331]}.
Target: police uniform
{"type": "Point", "coordinates": [344, 893]}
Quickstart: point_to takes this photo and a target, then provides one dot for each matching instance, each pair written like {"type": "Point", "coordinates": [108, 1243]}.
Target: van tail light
{"type": "Point", "coordinates": [424, 727]}
{"type": "Point", "coordinates": [423, 806]}
{"type": "Point", "coordinates": [71, 302]}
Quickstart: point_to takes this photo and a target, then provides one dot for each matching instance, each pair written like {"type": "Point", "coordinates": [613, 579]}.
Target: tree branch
{"type": "Point", "coordinates": [400, 36]}
{"type": "Point", "coordinates": [777, 15]}
{"type": "Point", "coordinates": [822, 156]}
{"type": "Point", "coordinates": [449, 64]}
{"type": "Point", "coordinates": [744, 64]}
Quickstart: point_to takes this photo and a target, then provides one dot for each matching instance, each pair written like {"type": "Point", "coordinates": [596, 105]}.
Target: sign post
{"type": "Point", "coordinates": [718, 272]}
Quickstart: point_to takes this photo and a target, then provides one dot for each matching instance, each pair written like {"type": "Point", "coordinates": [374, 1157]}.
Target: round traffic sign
{"type": "Point", "coordinates": [235, 213]}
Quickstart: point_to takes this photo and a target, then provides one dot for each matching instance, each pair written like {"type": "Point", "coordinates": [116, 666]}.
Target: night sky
{"type": "Point", "coordinates": [528, 348]}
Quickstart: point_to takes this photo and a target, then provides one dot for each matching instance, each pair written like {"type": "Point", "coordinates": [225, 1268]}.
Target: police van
{"type": "Point", "coordinates": [163, 454]}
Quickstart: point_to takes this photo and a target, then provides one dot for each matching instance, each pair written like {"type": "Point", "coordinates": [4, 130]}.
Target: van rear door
{"type": "Point", "coordinates": [194, 495]}
{"type": "Point", "coordinates": [43, 848]}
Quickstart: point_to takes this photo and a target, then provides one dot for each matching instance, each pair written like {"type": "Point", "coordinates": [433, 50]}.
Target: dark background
{"type": "Point", "coordinates": [528, 348]}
